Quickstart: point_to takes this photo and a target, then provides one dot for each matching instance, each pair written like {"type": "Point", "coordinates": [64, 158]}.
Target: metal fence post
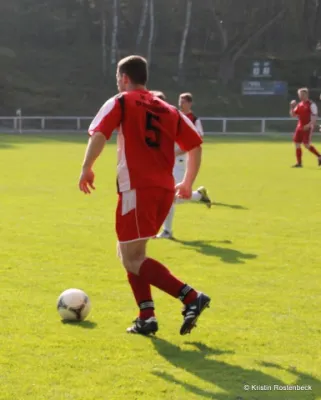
{"type": "Point", "coordinates": [224, 125]}
{"type": "Point", "coordinates": [263, 126]}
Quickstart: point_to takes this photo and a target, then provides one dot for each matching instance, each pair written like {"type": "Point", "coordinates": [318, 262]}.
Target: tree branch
{"type": "Point", "coordinates": [252, 38]}
{"type": "Point", "coordinates": [220, 26]}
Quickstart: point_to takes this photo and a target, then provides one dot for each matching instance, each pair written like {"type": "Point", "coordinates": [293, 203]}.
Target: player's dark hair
{"type": "Point", "coordinates": [135, 67]}
{"type": "Point", "coordinates": [187, 96]}
{"type": "Point", "coordinates": [158, 94]}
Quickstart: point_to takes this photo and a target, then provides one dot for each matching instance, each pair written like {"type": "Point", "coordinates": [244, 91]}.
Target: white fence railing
{"type": "Point", "coordinates": [211, 124]}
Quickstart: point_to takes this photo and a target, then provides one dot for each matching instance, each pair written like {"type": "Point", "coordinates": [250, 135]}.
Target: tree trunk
{"type": "Point", "coordinates": [113, 53]}
{"type": "Point", "coordinates": [220, 27]}
{"type": "Point", "coordinates": [151, 30]}
{"type": "Point", "coordinates": [234, 52]}
{"type": "Point", "coordinates": [317, 27]}
{"type": "Point", "coordinates": [184, 40]}
{"type": "Point", "coordinates": [142, 24]}
{"type": "Point", "coordinates": [103, 38]}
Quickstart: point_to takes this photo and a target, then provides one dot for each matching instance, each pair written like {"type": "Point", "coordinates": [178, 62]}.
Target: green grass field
{"type": "Point", "coordinates": [257, 253]}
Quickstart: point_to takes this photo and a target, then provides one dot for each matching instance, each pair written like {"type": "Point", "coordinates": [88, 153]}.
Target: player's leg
{"type": "Point", "coordinates": [167, 232]}
{"type": "Point", "coordinates": [126, 228]}
{"type": "Point", "coordinates": [308, 145]}
{"type": "Point", "coordinates": [151, 271]}
{"type": "Point", "coordinates": [297, 139]}
{"type": "Point", "coordinates": [199, 195]}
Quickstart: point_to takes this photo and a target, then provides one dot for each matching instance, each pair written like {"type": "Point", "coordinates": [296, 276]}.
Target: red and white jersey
{"type": "Point", "coordinates": [197, 122]}
{"type": "Point", "coordinates": [304, 111]}
{"type": "Point", "coordinates": [147, 129]}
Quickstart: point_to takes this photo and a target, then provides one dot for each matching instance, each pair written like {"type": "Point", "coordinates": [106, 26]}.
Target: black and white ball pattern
{"type": "Point", "coordinates": [73, 305]}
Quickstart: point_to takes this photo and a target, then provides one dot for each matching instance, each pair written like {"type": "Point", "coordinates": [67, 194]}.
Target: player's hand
{"type": "Point", "coordinates": [293, 103]}
{"type": "Point", "coordinates": [183, 190]}
{"type": "Point", "coordinates": [86, 180]}
{"type": "Point", "coordinates": [307, 127]}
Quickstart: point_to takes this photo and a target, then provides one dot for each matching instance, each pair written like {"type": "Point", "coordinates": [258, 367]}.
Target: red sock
{"type": "Point", "coordinates": [158, 275]}
{"type": "Point", "coordinates": [143, 295]}
{"type": "Point", "coordinates": [314, 151]}
{"type": "Point", "coordinates": [299, 155]}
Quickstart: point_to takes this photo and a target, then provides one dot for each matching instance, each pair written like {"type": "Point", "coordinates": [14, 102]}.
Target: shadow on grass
{"type": "Point", "coordinates": [229, 256]}
{"type": "Point", "coordinates": [201, 362]}
{"type": "Point", "coordinates": [81, 324]}
{"type": "Point", "coordinates": [233, 206]}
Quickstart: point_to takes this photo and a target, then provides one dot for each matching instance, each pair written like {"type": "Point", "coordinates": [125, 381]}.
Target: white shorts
{"type": "Point", "coordinates": [179, 170]}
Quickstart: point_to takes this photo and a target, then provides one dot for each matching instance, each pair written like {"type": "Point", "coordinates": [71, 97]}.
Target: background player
{"type": "Point", "coordinates": [147, 131]}
{"type": "Point", "coordinates": [200, 195]}
{"type": "Point", "coordinates": [306, 112]}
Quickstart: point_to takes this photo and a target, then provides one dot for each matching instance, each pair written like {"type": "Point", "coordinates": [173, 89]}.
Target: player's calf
{"type": "Point", "coordinates": [314, 151]}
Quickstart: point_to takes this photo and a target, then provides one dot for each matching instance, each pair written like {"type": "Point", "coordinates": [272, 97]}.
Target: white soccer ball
{"type": "Point", "coordinates": [73, 305]}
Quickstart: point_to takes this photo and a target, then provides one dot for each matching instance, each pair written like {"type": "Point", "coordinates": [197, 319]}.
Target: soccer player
{"type": "Point", "coordinates": [306, 112]}
{"type": "Point", "coordinates": [199, 195]}
{"type": "Point", "coordinates": [147, 131]}
{"type": "Point", "coordinates": [158, 94]}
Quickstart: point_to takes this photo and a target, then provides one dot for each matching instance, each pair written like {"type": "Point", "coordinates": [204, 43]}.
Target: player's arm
{"type": "Point", "coordinates": [100, 130]}
{"type": "Point", "coordinates": [292, 109]}
{"type": "Point", "coordinates": [314, 117]}
{"type": "Point", "coordinates": [193, 164]}
{"type": "Point", "coordinates": [95, 146]}
{"type": "Point", "coordinates": [190, 141]}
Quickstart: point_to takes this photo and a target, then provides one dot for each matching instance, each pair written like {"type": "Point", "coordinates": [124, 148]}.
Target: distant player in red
{"type": "Point", "coordinates": [148, 129]}
{"type": "Point", "coordinates": [307, 113]}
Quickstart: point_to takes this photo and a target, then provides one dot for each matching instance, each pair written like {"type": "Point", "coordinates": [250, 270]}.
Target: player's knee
{"type": "Point", "coordinates": [132, 265]}
{"type": "Point", "coordinates": [307, 145]}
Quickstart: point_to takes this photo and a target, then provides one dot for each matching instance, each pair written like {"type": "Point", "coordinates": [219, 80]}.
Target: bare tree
{"type": "Point", "coordinates": [184, 39]}
{"type": "Point", "coordinates": [151, 30]}
{"type": "Point", "coordinates": [103, 38]}
{"type": "Point", "coordinates": [232, 48]}
{"type": "Point", "coordinates": [142, 23]}
{"type": "Point", "coordinates": [113, 53]}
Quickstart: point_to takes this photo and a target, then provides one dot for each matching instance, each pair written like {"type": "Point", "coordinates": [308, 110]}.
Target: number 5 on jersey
{"type": "Point", "coordinates": [153, 133]}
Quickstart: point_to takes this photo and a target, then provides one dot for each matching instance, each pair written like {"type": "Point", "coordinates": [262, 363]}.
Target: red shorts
{"type": "Point", "coordinates": [301, 136]}
{"type": "Point", "coordinates": [141, 212]}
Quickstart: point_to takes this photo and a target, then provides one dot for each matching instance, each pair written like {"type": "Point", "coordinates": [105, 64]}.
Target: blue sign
{"type": "Point", "coordinates": [264, 88]}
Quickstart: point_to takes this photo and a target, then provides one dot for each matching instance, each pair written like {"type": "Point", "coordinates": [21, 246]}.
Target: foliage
{"type": "Point", "coordinates": [72, 45]}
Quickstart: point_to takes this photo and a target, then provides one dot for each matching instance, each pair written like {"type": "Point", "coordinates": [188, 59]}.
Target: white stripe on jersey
{"type": "Point", "coordinates": [105, 110]}
{"type": "Point", "coordinates": [123, 177]}
{"type": "Point", "coordinates": [199, 127]}
{"type": "Point", "coordinates": [314, 109]}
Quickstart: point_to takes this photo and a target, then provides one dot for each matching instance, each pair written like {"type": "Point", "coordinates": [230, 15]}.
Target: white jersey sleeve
{"type": "Point", "coordinates": [199, 127]}
{"type": "Point", "coordinates": [314, 109]}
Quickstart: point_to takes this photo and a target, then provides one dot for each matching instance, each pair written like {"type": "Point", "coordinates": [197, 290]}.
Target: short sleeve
{"type": "Point", "coordinates": [199, 127]}
{"type": "Point", "coordinates": [187, 135]}
{"type": "Point", "coordinates": [314, 109]}
{"type": "Point", "coordinates": [108, 118]}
